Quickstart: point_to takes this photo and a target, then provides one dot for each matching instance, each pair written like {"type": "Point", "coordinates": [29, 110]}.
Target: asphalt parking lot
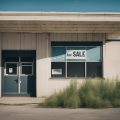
{"type": "Point", "coordinates": [33, 112]}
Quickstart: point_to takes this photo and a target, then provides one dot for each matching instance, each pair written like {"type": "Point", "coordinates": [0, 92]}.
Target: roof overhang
{"type": "Point", "coordinates": [60, 22]}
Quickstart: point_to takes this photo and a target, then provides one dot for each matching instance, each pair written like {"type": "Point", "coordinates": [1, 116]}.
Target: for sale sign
{"type": "Point", "coordinates": [76, 54]}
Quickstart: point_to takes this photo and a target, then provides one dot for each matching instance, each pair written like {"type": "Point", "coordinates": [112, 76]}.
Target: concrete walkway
{"type": "Point", "coordinates": [20, 100]}
{"type": "Point", "coordinates": [33, 112]}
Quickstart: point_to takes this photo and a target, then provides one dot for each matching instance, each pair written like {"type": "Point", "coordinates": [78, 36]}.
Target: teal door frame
{"type": "Point", "coordinates": [19, 73]}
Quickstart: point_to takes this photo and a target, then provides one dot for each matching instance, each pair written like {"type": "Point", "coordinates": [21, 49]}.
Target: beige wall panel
{"type": "Point", "coordinates": [55, 85]}
{"type": "Point", "coordinates": [51, 36]}
{"type": "Point", "coordinates": [49, 46]}
{"type": "Point", "coordinates": [69, 37]}
{"type": "Point", "coordinates": [42, 45]}
{"type": "Point", "coordinates": [16, 41]}
{"type": "Point", "coordinates": [112, 60]}
{"type": "Point", "coordinates": [95, 37]}
{"type": "Point", "coordinates": [28, 41]}
{"type": "Point", "coordinates": [82, 37]}
{"type": "Point", "coordinates": [99, 37]}
{"type": "Point", "coordinates": [89, 37]}
{"type": "Point", "coordinates": [113, 36]}
{"type": "Point", "coordinates": [77, 37]}
{"type": "Point", "coordinates": [63, 37]}
{"type": "Point", "coordinates": [10, 41]}
{"type": "Point", "coordinates": [43, 65]}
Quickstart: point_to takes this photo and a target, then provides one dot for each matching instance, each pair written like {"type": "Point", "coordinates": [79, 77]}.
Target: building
{"type": "Point", "coordinates": [41, 51]}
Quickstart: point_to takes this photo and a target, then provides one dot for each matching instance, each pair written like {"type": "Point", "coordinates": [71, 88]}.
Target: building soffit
{"type": "Point", "coordinates": [60, 22]}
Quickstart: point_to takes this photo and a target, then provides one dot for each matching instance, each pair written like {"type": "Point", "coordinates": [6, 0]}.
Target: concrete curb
{"type": "Point", "coordinates": [20, 100]}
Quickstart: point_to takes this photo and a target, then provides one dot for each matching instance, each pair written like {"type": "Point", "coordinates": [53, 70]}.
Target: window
{"type": "Point", "coordinates": [94, 69]}
{"type": "Point", "coordinates": [58, 62]}
{"type": "Point", "coordinates": [58, 69]}
{"type": "Point", "coordinates": [27, 68]}
{"type": "Point", "coordinates": [76, 59]}
{"type": "Point", "coordinates": [11, 68]}
{"type": "Point", "coordinates": [26, 59]}
{"type": "Point", "coordinates": [75, 69]}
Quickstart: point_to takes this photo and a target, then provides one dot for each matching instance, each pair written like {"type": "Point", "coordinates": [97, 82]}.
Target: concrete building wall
{"type": "Point", "coordinates": [41, 42]}
{"type": "Point", "coordinates": [18, 41]}
{"type": "Point", "coordinates": [45, 84]}
{"type": "Point", "coordinates": [77, 37]}
{"type": "Point", "coordinates": [43, 64]}
{"type": "Point", "coordinates": [112, 60]}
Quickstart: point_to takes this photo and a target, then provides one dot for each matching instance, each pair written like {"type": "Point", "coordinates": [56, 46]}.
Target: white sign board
{"type": "Point", "coordinates": [10, 70]}
{"type": "Point", "coordinates": [76, 54]}
{"type": "Point", "coordinates": [56, 71]}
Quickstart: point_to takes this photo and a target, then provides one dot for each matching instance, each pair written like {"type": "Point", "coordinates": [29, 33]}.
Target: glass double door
{"type": "Point", "coordinates": [19, 75]}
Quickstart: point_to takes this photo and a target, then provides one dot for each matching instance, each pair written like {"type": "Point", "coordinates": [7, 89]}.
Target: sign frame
{"type": "Point", "coordinates": [76, 54]}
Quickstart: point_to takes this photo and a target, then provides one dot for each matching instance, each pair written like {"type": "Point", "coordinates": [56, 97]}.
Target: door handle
{"type": "Point", "coordinates": [20, 81]}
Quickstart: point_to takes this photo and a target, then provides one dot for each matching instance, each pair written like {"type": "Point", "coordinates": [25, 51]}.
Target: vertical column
{"type": "Point", "coordinates": [112, 56]}
{"type": "Point", "coordinates": [104, 57]}
{"type": "Point", "coordinates": [42, 65]}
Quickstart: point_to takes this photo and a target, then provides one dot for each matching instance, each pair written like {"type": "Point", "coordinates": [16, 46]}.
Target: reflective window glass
{"type": "Point", "coordinates": [11, 68]}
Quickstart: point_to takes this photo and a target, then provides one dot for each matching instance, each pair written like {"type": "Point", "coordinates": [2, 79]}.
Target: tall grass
{"type": "Point", "coordinates": [68, 98]}
{"type": "Point", "coordinates": [93, 93]}
{"type": "Point", "coordinates": [97, 93]}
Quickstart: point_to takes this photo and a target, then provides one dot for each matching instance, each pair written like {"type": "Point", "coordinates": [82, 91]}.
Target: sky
{"type": "Point", "coordinates": [61, 5]}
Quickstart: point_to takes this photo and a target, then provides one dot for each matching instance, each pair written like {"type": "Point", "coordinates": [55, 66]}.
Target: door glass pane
{"type": "Point", "coordinates": [29, 63]}
{"type": "Point", "coordinates": [11, 68]}
{"type": "Point", "coordinates": [26, 59]}
{"type": "Point", "coordinates": [27, 70]}
{"type": "Point", "coordinates": [11, 59]}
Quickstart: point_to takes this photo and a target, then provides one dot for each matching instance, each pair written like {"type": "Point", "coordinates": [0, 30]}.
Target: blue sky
{"type": "Point", "coordinates": [61, 5]}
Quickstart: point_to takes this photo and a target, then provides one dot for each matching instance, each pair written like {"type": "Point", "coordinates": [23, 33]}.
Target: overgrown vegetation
{"type": "Point", "coordinates": [68, 98]}
{"type": "Point", "coordinates": [93, 93]}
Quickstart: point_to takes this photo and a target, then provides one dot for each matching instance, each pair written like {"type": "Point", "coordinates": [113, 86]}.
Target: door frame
{"type": "Point", "coordinates": [2, 72]}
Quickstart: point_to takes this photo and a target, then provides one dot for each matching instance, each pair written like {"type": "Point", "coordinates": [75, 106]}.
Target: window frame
{"type": "Point", "coordinates": [26, 65]}
{"type": "Point", "coordinates": [101, 58]}
{"type": "Point", "coordinates": [58, 75]}
{"type": "Point", "coordinates": [5, 70]}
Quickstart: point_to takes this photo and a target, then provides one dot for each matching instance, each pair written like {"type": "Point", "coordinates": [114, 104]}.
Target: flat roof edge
{"type": "Point", "coordinates": [60, 16]}
{"type": "Point", "coordinates": [57, 13]}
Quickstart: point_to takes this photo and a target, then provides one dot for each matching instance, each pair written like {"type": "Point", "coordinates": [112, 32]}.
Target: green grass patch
{"type": "Point", "coordinates": [93, 93]}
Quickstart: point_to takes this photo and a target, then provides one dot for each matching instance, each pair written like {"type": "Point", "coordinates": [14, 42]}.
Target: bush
{"type": "Point", "coordinates": [96, 93]}
{"type": "Point", "coordinates": [117, 90]}
{"type": "Point", "coordinates": [93, 93]}
{"type": "Point", "coordinates": [116, 103]}
{"type": "Point", "coordinates": [71, 97]}
{"type": "Point", "coordinates": [116, 95]}
{"type": "Point", "coordinates": [51, 101]}
{"type": "Point", "coordinates": [68, 98]}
